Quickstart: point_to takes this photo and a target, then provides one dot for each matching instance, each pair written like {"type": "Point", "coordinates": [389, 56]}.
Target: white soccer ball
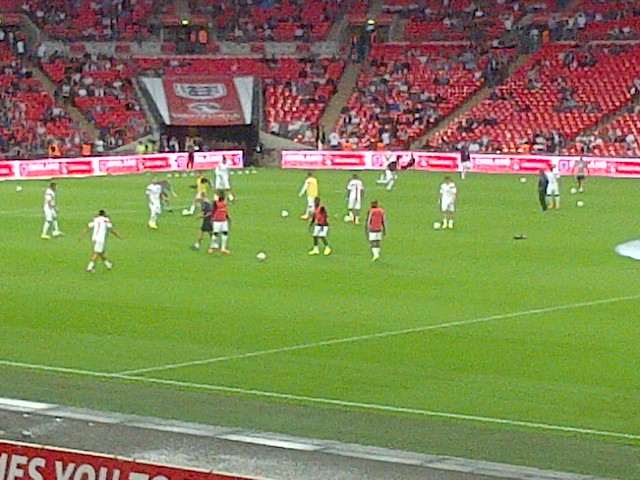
{"type": "Point", "coordinates": [284, 214]}
{"type": "Point", "coordinates": [580, 203]}
{"type": "Point", "coordinates": [573, 190]}
{"type": "Point", "coordinates": [18, 188]}
{"type": "Point", "coordinates": [437, 225]}
{"type": "Point", "coordinates": [523, 179]}
{"type": "Point", "coordinates": [261, 256]}
{"type": "Point", "coordinates": [347, 218]}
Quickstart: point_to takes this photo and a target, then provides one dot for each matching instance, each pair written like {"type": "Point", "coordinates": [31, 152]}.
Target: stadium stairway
{"type": "Point", "coordinates": [81, 122]}
{"type": "Point", "coordinates": [481, 95]}
{"type": "Point", "coordinates": [341, 97]}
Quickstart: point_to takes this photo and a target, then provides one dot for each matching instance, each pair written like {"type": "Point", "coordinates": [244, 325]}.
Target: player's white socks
{"type": "Point", "coordinates": [196, 245]}
{"type": "Point", "coordinates": [450, 223]}
{"type": "Point", "coordinates": [45, 228]}
{"type": "Point", "coordinates": [91, 266]}
{"type": "Point", "coordinates": [56, 228]}
{"type": "Point", "coordinates": [223, 241]}
{"type": "Point", "coordinates": [108, 264]}
{"type": "Point", "coordinates": [192, 209]}
{"type": "Point", "coordinates": [376, 252]}
{"type": "Point", "coordinates": [214, 242]}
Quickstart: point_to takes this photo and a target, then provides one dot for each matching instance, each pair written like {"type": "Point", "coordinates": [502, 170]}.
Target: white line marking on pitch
{"type": "Point", "coordinates": [329, 401]}
{"type": "Point", "coordinates": [371, 336]}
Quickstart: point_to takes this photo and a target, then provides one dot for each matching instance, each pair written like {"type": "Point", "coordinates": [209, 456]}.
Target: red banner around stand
{"type": "Point", "coordinates": [32, 462]}
{"type": "Point", "coordinates": [360, 160]}
{"type": "Point", "coordinates": [121, 165]}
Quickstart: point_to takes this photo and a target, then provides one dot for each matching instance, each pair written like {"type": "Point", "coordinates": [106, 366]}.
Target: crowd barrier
{"type": "Point", "coordinates": [21, 461]}
{"type": "Point", "coordinates": [115, 165]}
{"type": "Point", "coordinates": [434, 161]}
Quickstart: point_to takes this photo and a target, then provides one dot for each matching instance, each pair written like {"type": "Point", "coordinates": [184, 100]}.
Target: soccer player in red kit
{"type": "Point", "coordinates": [221, 223]}
{"type": "Point", "coordinates": [376, 228]}
{"type": "Point", "coordinates": [320, 225]}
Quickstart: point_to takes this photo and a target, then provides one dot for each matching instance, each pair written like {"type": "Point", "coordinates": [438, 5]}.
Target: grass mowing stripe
{"type": "Point", "coordinates": [332, 402]}
{"type": "Point", "coordinates": [391, 333]}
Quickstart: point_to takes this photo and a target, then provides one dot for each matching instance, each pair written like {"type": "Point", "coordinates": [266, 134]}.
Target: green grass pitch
{"type": "Point", "coordinates": [540, 360]}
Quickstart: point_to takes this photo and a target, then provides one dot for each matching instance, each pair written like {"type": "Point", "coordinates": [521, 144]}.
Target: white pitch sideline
{"type": "Point", "coordinates": [391, 333]}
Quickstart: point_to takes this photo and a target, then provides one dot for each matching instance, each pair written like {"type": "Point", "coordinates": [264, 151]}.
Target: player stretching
{"type": "Point", "coordinates": [376, 228]}
{"type": "Point", "coordinates": [320, 225]}
{"type": "Point", "coordinates": [355, 190]}
{"type": "Point", "coordinates": [202, 188]}
{"type": "Point", "coordinates": [101, 226]}
{"type": "Point", "coordinates": [310, 187]}
{"type": "Point", "coordinates": [154, 196]}
{"type": "Point", "coordinates": [207, 222]}
{"type": "Point", "coordinates": [50, 213]}
{"type": "Point", "coordinates": [447, 200]}
{"type": "Point", "coordinates": [221, 223]}
{"type": "Point", "coordinates": [222, 179]}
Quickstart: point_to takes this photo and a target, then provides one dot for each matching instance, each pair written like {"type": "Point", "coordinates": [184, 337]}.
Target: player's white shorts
{"type": "Point", "coordinates": [221, 227]}
{"type": "Point", "coordinates": [448, 206]}
{"type": "Point", "coordinates": [98, 246]}
{"type": "Point", "coordinates": [320, 231]}
{"type": "Point", "coordinates": [354, 203]}
{"type": "Point", "coordinates": [375, 236]}
{"type": "Point", "coordinates": [223, 184]}
{"type": "Point", "coordinates": [155, 208]}
{"type": "Point", "coordinates": [553, 190]}
{"type": "Point", "coordinates": [50, 214]}
{"type": "Point", "coordinates": [311, 203]}
{"type": "Point", "coordinates": [466, 165]}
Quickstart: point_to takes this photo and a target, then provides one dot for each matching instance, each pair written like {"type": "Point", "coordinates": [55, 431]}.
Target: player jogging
{"type": "Point", "coordinates": [376, 228]}
{"type": "Point", "coordinates": [553, 188]}
{"type": "Point", "coordinates": [355, 191]}
{"type": "Point", "coordinates": [167, 193]}
{"type": "Point", "coordinates": [101, 226]}
{"type": "Point", "coordinates": [221, 223]}
{"type": "Point", "coordinates": [389, 175]}
{"type": "Point", "coordinates": [447, 200]}
{"type": "Point", "coordinates": [222, 183]}
{"type": "Point", "coordinates": [50, 213]}
{"type": "Point", "coordinates": [319, 224]}
{"type": "Point", "coordinates": [154, 197]}
{"type": "Point", "coordinates": [207, 222]}
{"type": "Point", "coordinates": [581, 170]}
{"type": "Point", "coordinates": [202, 189]}
{"type": "Point", "coordinates": [310, 187]}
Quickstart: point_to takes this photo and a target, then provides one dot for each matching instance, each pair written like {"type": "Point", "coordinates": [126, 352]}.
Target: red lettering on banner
{"type": "Point", "coordinates": [29, 462]}
{"type": "Point", "coordinates": [7, 169]}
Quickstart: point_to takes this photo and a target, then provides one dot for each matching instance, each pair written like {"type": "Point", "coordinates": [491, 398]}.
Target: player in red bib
{"type": "Point", "coordinates": [320, 225]}
{"type": "Point", "coordinates": [221, 223]}
{"type": "Point", "coordinates": [376, 228]}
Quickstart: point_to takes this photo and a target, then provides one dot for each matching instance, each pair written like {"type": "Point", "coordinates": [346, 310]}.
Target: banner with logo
{"type": "Point", "coordinates": [116, 165]}
{"type": "Point", "coordinates": [597, 166]}
{"type": "Point", "coordinates": [361, 160]}
{"type": "Point", "coordinates": [202, 100]}
{"type": "Point", "coordinates": [21, 461]}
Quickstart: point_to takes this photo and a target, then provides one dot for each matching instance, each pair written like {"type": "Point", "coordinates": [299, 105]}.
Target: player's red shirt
{"type": "Point", "coordinates": [375, 221]}
{"type": "Point", "coordinates": [320, 217]}
{"type": "Point", "coordinates": [220, 213]}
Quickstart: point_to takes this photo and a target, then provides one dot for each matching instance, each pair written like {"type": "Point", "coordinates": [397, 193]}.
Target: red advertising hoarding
{"type": "Point", "coordinates": [361, 160]}
{"type": "Point", "coordinates": [203, 100]}
{"type": "Point", "coordinates": [20, 461]}
{"type": "Point", "coordinates": [121, 165]}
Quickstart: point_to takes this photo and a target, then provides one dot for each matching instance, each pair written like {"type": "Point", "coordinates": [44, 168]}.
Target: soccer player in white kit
{"type": "Point", "coordinates": [101, 226]}
{"type": "Point", "coordinates": [50, 213]}
{"type": "Point", "coordinates": [355, 191]}
{"type": "Point", "coordinates": [154, 196]}
{"type": "Point", "coordinates": [222, 183]}
{"type": "Point", "coordinates": [447, 200]}
{"type": "Point", "coordinates": [553, 188]}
